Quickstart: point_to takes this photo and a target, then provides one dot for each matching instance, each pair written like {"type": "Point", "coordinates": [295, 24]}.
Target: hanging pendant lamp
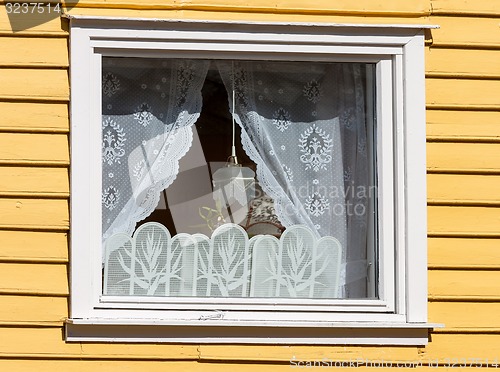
{"type": "Point", "coordinates": [234, 183]}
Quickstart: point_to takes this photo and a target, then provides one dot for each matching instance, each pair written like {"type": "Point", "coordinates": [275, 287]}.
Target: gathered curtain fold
{"type": "Point", "coordinates": [148, 108]}
{"type": "Point", "coordinates": [304, 125]}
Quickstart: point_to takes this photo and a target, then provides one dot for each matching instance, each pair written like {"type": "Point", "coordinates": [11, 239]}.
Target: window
{"type": "Point", "coordinates": [236, 182]}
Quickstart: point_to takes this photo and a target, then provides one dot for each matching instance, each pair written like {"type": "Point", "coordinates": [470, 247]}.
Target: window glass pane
{"type": "Point", "coordinates": [279, 203]}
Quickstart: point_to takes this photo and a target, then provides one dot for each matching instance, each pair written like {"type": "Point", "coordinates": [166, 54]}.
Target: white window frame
{"type": "Point", "coordinates": [398, 317]}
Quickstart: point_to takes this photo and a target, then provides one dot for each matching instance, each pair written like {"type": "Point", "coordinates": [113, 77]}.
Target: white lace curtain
{"type": "Point", "coordinates": [303, 124]}
{"type": "Point", "coordinates": [148, 108]}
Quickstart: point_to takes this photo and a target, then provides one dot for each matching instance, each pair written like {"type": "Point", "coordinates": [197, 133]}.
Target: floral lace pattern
{"type": "Point", "coordinates": [110, 84]}
{"type": "Point", "coordinates": [185, 78]}
{"type": "Point", "coordinates": [288, 172]}
{"type": "Point", "coordinates": [316, 147]}
{"type": "Point", "coordinates": [281, 119]}
{"type": "Point", "coordinates": [316, 204]}
{"type": "Point", "coordinates": [139, 169]}
{"type": "Point", "coordinates": [143, 114]}
{"type": "Point", "coordinates": [313, 91]}
{"type": "Point", "coordinates": [113, 140]}
{"type": "Point", "coordinates": [110, 198]}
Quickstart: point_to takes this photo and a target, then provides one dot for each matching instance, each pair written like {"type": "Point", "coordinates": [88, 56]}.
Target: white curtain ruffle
{"type": "Point", "coordinates": [148, 109]}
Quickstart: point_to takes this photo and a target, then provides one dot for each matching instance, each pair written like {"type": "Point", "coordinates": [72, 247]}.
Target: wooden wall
{"type": "Point", "coordinates": [463, 123]}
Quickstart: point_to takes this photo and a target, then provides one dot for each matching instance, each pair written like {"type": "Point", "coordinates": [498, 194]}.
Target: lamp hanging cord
{"type": "Point", "coordinates": [233, 148]}
{"type": "Point", "coordinates": [234, 159]}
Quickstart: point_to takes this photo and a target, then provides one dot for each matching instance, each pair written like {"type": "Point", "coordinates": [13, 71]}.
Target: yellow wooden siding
{"type": "Point", "coordinates": [34, 84]}
{"type": "Point", "coordinates": [463, 123]}
{"type": "Point", "coordinates": [250, 14]}
{"type": "Point", "coordinates": [466, 316]}
{"type": "Point", "coordinates": [464, 253]}
{"type": "Point", "coordinates": [363, 7]}
{"type": "Point", "coordinates": [466, 7]}
{"type": "Point", "coordinates": [442, 347]}
{"type": "Point", "coordinates": [33, 52]}
{"type": "Point", "coordinates": [33, 246]}
{"type": "Point", "coordinates": [34, 214]}
{"type": "Point", "coordinates": [32, 310]}
{"type": "Point", "coordinates": [351, 11]}
{"type": "Point", "coordinates": [472, 126]}
{"type": "Point", "coordinates": [466, 32]}
{"type": "Point", "coordinates": [34, 117]}
{"type": "Point", "coordinates": [47, 342]}
{"type": "Point", "coordinates": [36, 24]}
{"type": "Point", "coordinates": [210, 367]}
{"type": "Point", "coordinates": [463, 93]}
{"type": "Point", "coordinates": [457, 189]}
{"type": "Point", "coordinates": [152, 366]}
{"type": "Point", "coordinates": [467, 63]}
{"type": "Point", "coordinates": [463, 221]}
{"type": "Point", "coordinates": [35, 181]}
{"type": "Point", "coordinates": [34, 149]}
{"type": "Point", "coordinates": [34, 279]}
{"type": "Point", "coordinates": [464, 284]}
{"type": "Point", "coordinates": [130, 366]}
{"type": "Point", "coordinates": [463, 157]}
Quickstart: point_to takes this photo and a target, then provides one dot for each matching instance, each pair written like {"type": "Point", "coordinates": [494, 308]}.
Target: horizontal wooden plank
{"type": "Point", "coordinates": [185, 11]}
{"type": "Point", "coordinates": [463, 93]}
{"type": "Point", "coordinates": [34, 214]}
{"type": "Point", "coordinates": [39, 343]}
{"type": "Point", "coordinates": [416, 7]}
{"type": "Point", "coordinates": [48, 343]}
{"type": "Point", "coordinates": [23, 310]}
{"type": "Point", "coordinates": [463, 125]}
{"type": "Point", "coordinates": [18, 116]}
{"type": "Point", "coordinates": [463, 157]}
{"type": "Point", "coordinates": [459, 7]}
{"type": "Point", "coordinates": [36, 149]}
{"type": "Point", "coordinates": [31, 24]}
{"type": "Point", "coordinates": [463, 221]}
{"type": "Point", "coordinates": [286, 353]}
{"type": "Point", "coordinates": [445, 347]}
{"type": "Point", "coordinates": [23, 365]}
{"type": "Point", "coordinates": [34, 84]}
{"type": "Point", "coordinates": [34, 52]}
{"type": "Point", "coordinates": [465, 284]}
{"type": "Point", "coordinates": [33, 246]}
{"type": "Point", "coordinates": [473, 32]}
{"type": "Point", "coordinates": [466, 62]}
{"type": "Point", "coordinates": [464, 253]}
{"type": "Point", "coordinates": [470, 316]}
{"type": "Point", "coordinates": [43, 279]}
{"type": "Point", "coordinates": [192, 366]}
{"type": "Point", "coordinates": [441, 348]}
{"type": "Point", "coordinates": [460, 189]}
{"type": "Point", "coordinates": [34, 182]}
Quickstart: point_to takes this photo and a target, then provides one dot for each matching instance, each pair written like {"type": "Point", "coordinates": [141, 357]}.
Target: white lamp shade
{"type": "Point", "coordinates": [234, 183]}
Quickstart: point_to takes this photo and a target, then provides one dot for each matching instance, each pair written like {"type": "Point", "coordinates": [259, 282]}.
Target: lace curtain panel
{"type": "Point", "coordinates": [148, 108]}
{"type": "Point", "coordinates": [304, 125]}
